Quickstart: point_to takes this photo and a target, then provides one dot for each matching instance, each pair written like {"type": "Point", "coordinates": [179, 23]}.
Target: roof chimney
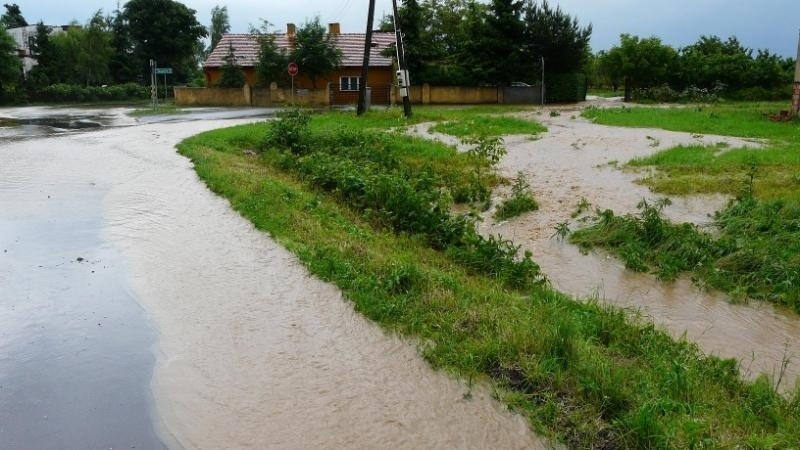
{"type": "Point", "coordinates": [334, 29]}
{"type": "Point", "coordinates": [291, 29]}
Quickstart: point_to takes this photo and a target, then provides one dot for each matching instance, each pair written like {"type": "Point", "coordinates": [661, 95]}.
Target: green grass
{"type": "Point", "coordinates": [488, 126]}
{"type": "Point", "coordinates": [586, 374]}
{"type": "Point", "coordinates": [753, 251]}
{"type": "Point", "coordinates": [742, 119]}
{"type": "Point", "coordinates": [519, 202]}
{"type": "Point", "coordinates": [163, 108]}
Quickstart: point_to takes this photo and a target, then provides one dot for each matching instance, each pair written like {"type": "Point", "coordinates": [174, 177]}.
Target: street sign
{"type": "Point", "coordinates": [163, 70]}
{"type": "Point", "coordinates": [293, 69]}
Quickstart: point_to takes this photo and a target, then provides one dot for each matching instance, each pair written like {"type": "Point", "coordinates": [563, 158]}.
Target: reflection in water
{"type": "Point", "coordinates": [75, 360]}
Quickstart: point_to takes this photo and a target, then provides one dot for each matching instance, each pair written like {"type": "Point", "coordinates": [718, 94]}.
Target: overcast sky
{"type": "Point", "coordinates": [771, 24]}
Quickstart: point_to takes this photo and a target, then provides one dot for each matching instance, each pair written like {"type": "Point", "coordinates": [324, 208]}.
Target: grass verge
{"type": "Point", "coordinates": [581, 372]}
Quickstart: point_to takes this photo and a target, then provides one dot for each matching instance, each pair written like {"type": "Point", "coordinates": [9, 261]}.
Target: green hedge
{"type": "Point", "coordinates": [565, 87]}
{"type": "Point", "coordinates": [76, 93]}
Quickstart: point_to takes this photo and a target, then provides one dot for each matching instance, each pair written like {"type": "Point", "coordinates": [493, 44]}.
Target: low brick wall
{"type": "Point", "coordinates": [186, 96]}
{"type": "Point", "coordinates": [246, 96]}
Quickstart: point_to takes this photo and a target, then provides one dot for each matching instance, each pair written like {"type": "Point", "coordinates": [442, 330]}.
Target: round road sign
{"type": "Point", "coordinates": [293, 69]}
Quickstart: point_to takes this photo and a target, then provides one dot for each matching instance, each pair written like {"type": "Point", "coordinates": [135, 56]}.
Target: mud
{"type": "Point", "coordinates": [252, 351]}
{"type": "Point", "coordinates": [575, 160]}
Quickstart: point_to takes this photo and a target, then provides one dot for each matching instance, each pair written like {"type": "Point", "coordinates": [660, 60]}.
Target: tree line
{"type": "Point", "coordinates": [648, 69]}
{"type": "Point", "coordinates": [467, 42]}
{"type": "Point", "coordinates": [106, 50]}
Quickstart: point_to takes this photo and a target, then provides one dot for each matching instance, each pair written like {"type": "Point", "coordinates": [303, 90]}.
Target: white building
{"type": "Point", "coordinates": [24, 36]}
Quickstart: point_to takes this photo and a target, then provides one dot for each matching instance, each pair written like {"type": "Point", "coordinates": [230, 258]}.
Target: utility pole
{"type": "Point", "coordinates": [362, 87]}
{"type": "Point", "coordinates": [796, 91]}
{"type": "Point", "coordinates": [153, 85]}
{"type": "Point", "coordinates": [542, 80]}
{"type": "Point", "coordinates": [403, 80]}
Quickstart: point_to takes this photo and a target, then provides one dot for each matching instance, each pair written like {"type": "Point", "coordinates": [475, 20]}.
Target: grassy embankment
{"type": "Point", "coordinates": [755, 250]}
{"type": "Point", "coordinates": [368, 211]}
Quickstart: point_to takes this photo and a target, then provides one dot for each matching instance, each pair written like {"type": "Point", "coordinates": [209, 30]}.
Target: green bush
{"type": "Point", "coordinates": [361, 170]}
{"type": "Point", "coordinates": [76, 93]}
{"type": "Point", "coordinates": [566, 87]}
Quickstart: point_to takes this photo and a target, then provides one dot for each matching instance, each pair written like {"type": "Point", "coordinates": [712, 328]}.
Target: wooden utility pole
{"type": "Point", "coordinates": [796, 91]}
{"type": "Point", "coordinates": [404, 81]}
{"type": "Point", "coordinates": [362, 85]}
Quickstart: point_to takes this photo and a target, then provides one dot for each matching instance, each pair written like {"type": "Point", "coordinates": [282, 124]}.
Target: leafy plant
{"type": "Point", "coordinates": [520, 201]}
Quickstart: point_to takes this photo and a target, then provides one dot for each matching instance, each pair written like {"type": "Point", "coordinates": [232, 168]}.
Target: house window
{"type": "Point", "coordinates": [349, 83]}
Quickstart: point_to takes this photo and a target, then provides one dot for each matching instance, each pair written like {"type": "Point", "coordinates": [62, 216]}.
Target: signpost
{"type": "Point", "coordinates": [164, 71]}
{"type": "Point", "coordinates": [293, 70]}
{"type": "Point", "coordinates": [153, 88]}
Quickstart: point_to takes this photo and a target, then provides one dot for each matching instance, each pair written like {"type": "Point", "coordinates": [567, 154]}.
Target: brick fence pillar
{"type": "Point", "coordinates": [796, 99]}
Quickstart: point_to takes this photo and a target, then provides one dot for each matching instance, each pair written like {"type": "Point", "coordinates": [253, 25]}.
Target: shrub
{"type": "Point", "coordinates": [520, 201]}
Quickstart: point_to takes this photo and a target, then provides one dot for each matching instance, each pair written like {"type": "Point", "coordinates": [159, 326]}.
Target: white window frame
{"type": "Point", "coordinates": [346, 84]}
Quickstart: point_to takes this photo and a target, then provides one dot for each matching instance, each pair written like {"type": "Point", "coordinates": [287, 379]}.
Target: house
{"type": "Point", "coordinates": [24, 36]}
{"type": "Point", "coordinates": [344, 81]}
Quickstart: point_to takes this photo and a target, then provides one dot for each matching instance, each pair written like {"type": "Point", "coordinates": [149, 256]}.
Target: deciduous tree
{"type": "Point", "coordinates": [13, 17]}
{"type": "Point", "coordinates": [272, 61]}
{"type": "Point", "coordinates": [10, 67]}
{"type": "Point", "coordinates": [167, 31]}
{"type": "Point", "coordinates": [639, 63]}
{"type": "Point", "coordinates": [220, 24]}
{"type": "Point", "coordinates": [314, 51]}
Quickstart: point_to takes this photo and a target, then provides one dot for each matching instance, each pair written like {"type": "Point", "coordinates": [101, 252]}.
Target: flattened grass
{"type": "Point", "coordinates": [581, 372]}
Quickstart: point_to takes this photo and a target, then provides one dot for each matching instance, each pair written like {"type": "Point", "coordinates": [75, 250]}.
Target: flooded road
{"type": "Point", "coordinates": [251, 351]}
{"type": "Point", "coordinates": [571, 162]}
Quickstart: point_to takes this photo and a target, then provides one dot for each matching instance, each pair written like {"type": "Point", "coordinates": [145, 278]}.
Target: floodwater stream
{"type": "Point", "coordinates": [571, 162]}
{"type": "Point", "coordinates": [139, 310]}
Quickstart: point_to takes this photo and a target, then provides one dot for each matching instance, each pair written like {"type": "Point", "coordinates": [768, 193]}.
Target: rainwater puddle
{"type": "Point", "coordinates": [75, 359]}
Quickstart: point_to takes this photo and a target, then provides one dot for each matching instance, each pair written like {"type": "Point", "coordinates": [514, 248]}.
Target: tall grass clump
{"type": "Point", "coordinates": [366, 172]}
{"type": "Point", "coordinates": [520, 201]}
{"type": "Point", "coordinates": [754, 254]}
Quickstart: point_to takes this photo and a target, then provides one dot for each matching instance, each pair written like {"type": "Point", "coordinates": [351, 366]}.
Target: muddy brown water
{"type": "Point", "coordinates": [251, 351]}
{"type": "Point", "coordinates": [570, 162]}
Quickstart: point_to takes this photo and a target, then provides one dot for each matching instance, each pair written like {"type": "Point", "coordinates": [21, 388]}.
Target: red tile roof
{"type": "Point", "coordinates": [245, 46]}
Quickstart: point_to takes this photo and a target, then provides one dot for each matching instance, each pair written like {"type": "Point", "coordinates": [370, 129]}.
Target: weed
{"type": "Point", "coordinates": [554, 113]}
{"type": "Point", "coordinates": [489, 149]}
{"type": "Point", "coordinates": [561, 231]}
{"type": "Point", "coordinates": [290, 130]}
{"type": "Point", "coordinates": [582, 206]}
{"type": "Point", "coordinates": [520, 201]}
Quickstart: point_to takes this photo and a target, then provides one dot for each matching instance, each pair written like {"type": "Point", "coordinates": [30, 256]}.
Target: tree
{"type": "Point", "coordinates": [47, 57]}
{"type": "Point", "coordinates": [712, 62]}
{"type": "Point", "coordinates": [166, 31]}
{"type": "Point", "coordinates": [93, 58]}
{"type": "Point", "coordinates": [124, 65]}
{"type": "Point", "coordinates": [232, 74]}
{"type": "Point", "coordinates": [272, 61]}
{"type": "Point", "coordinates": [640, 63]}
{"type": "Point", "coordinates": [13, 17]}
{"type": "Point", "coordinates": [556, 36]}
{"type": "Point", "coordinates": [10, 67]}
{"type": "Point", "coordinates": [220, 24]}
{"type": "Point", "coordinates": [498, 49]}
{"type": "Point", "coordinates": [314, 51]}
